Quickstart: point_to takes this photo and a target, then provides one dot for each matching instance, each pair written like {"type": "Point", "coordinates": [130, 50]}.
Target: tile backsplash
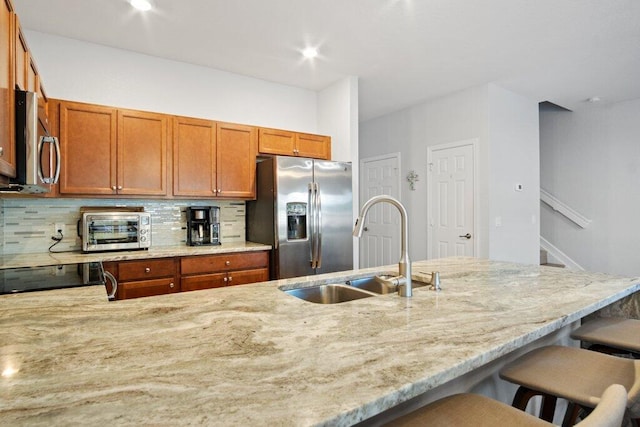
{"type": "Point", "coordinates": [26, 225]}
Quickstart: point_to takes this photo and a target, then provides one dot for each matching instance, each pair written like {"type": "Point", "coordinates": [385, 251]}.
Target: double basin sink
{"type": "Point", "coordinates": [349, 290]}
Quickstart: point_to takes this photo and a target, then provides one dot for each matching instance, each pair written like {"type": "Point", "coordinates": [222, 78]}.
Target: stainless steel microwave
{"type": "Point", "coordinates": [37, 152]}
{"type": "Point", "coordinates": [114, 231]}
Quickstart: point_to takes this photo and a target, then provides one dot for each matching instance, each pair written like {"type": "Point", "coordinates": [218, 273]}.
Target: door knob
{"type": "Point", "coordinates": [467, 236]}
{"type": "Point", "coordinates": [365, 229]}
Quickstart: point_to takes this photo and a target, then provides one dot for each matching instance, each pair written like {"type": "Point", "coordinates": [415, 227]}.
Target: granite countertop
{"type": "Point", "coordinates": [253, 355]}
{"type": "Point", "coordinates": [59, 258]}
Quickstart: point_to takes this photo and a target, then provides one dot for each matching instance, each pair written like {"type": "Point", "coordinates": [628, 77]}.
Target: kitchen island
{"type": "Point", "coordinates": [253, 355]}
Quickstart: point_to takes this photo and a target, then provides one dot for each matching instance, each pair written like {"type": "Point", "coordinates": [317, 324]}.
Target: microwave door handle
{"type": "Point", "coordinates": [56, 144]}
{"type": "Point", "coordinates": [52, 179]}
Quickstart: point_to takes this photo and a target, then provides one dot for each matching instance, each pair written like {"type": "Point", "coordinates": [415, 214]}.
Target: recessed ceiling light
{"type": "Point", "coordinates": [594, 99]}
{"type": "Point", "coordinates": [310, 52]}
{"type": "Point", "coordinates": [141, 4]}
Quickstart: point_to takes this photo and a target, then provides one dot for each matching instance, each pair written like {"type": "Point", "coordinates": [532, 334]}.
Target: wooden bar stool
{"type": "Point", "coordinates": [577, 375]}
{"type": "Point", "coordinates": [480, 411]}
{"type": "Point", "coordinates": [610, 335]}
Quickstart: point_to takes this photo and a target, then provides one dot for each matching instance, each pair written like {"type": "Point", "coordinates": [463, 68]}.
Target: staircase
{"type": "Point", "coordinates": [544, 260]}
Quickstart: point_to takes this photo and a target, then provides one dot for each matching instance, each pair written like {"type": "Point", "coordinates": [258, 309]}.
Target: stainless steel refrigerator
{"type": "Point", "coordinates": [304, 210]}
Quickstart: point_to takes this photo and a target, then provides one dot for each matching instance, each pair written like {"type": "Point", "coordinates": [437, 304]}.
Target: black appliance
{"type": "Point", "coordinates": [203, 225]}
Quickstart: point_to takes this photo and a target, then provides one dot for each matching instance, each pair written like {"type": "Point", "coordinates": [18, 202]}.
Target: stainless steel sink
{"type": "Point", "coordinates": [329, 294]}
{"type": "Point", "coordinates": [381, 284]}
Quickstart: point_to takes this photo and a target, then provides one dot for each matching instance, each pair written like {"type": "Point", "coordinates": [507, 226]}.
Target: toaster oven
{"type": "Point", "coordinates": [114, 231]}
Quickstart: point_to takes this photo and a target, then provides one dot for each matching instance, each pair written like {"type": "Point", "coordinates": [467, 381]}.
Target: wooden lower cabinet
{"type": "Point", "coordinates": [144, 278]}
{"type": "Point", "coordinates": [159, 276]}
{"type": "Point", "coordinates": [215, 271]}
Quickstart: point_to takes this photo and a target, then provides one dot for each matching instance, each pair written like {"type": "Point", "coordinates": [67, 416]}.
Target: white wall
{"type": "Point", "coordinates": [514, 153]}
{"type": "Point", "coordinates": [457, 117]}
{"type": "Point", "coordinates": [88, 72]}
{"type": "Point", "coordinates": [338, 116]}
{"type": "Point", "coordinates": [590, 159]}
{"type": "Point", "coordinates": [506, 128]}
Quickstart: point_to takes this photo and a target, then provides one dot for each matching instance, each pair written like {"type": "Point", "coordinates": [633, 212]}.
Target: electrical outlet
{"type": "Point", "coordinates": [58, 228]}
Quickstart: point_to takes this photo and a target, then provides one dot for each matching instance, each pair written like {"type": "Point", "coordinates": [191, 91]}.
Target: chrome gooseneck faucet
{"type": "Point", "coordinates": [404, 266]}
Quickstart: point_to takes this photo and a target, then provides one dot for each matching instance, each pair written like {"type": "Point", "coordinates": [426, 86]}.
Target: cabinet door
{"type": "Point", "coordinates": [88, 148]}
{"type": "Point", "coordinates": [236, 160]}
{"type": "Point", "coordinates": [204, 281]}
{"type": "Point", "coordinates": [142, 153]}
{"type": "Point", "coordinates": [7, 71]}
{"type": "Point", "coordinates": [147, 288]}
{"type": "Point", "coordinates": [278, 142]}
{"type": "Point", "coordinates": [194, 157]}
{"type": "Point", "coordinates": [316, 146]}
{"type": "Point", "coordinates": [21, 56]}
{"type": "Point", "coordinates": [247, 276]}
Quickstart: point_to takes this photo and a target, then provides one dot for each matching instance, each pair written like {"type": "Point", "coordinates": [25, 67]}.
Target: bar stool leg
{"type": "Point", "coordinates": [524, 394]}
{"type": "Point", "coordinates": [571, 415]}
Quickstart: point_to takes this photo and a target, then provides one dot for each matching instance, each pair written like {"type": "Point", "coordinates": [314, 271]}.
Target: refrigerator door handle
{"type": "Point", "coordinates": [318, 228]}
{"type": "Point", "coordinates": [312, 226]}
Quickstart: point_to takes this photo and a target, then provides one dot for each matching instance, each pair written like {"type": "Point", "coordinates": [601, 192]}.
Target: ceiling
{"type": "Point", "coordinates": [404, 52]}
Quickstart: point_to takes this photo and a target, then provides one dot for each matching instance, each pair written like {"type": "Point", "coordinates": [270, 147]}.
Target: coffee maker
{"type": "Point", "coordinates": [203, 225]}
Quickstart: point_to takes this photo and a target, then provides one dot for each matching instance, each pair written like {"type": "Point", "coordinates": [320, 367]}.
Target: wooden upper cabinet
{"type": "Point", "coordinates": [106, 151]}
{"type": "Point", "coordinates": [194, 157]}
{"type": "Point", "coordinates": [213, 159]}
{"type": "Point", "coordinates": [278, 142]}
{"type": "Point", "coordinates": [7, 107]}
{"type": "Point", "coordinates": [236, 171]}
{"type": "Point", "coordinates": [21, 56]}
{"type": "Point", "coordinates": [316, 146]}
{"type": "Point", "coordinates": [142, 153]}
{"type": "Point", "coordinates": [88, 136]}
{"type": "Point", "coordinates": [287, 143]}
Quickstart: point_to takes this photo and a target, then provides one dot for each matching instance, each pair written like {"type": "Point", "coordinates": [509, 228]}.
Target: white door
{"type": "Point", "coordinates": [451, 200]}
{"type": "Point", "coordinates": [380, 241]}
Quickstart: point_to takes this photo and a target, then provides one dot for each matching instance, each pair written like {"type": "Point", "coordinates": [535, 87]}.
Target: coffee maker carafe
{"type": "Point", "coordinates": [203, 225]}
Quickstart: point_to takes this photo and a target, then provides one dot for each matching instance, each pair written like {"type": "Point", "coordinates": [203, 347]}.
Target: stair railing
{"type": "Point", "coordinates": [564, 209]}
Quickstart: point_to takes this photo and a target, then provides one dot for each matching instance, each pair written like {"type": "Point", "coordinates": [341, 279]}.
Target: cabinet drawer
{"type": "Point", "coordinates": [247, 276]}
{"type": "Point", "coordinates": [204, 281]}
{"type": "Point", "coordinates": [146, 269]}
{"type": "Point", "coordinates": [147, 288]}
{"type": "Point", "coordinates": [223, 262]}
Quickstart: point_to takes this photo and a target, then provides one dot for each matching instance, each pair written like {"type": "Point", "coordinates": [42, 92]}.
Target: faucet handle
{"type": "Point", "coordinates": [435, 281]}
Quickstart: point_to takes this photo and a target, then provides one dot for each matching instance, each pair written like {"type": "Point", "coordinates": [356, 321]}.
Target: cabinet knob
{"type": "Point", "coordinates": [219, 190]}
{"type": "Point", "coordinates": [224, 280]}
{"type": "Point", "coordinates": [171, 285]}
{"type": "Point", "coordinates": [119, 187]}
{"type": "Point", "coordinates": [113, 188]}
{"type": "Point", "coordinates": [227, 263]}
{"type": "Point", "coordinates": [230, 279]}
{"type": "Point", "coordinates": [147, 270]}
{"type": "Point", "coordinates": [1, 151]}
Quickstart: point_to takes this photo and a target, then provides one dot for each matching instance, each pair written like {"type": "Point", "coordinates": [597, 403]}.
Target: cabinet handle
{"type": "Point", "coordinates": [171, 285]}
{"type": "Point", "coordinates": [227, 263]}
{"type": "Point", "coordinates": [147, 270]}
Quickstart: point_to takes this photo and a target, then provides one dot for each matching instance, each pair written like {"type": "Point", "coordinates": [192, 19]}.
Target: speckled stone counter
{"type": "Point", "coordinates": [61, 258]}
{"type": "Point", "coordinates": [253, 355]}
